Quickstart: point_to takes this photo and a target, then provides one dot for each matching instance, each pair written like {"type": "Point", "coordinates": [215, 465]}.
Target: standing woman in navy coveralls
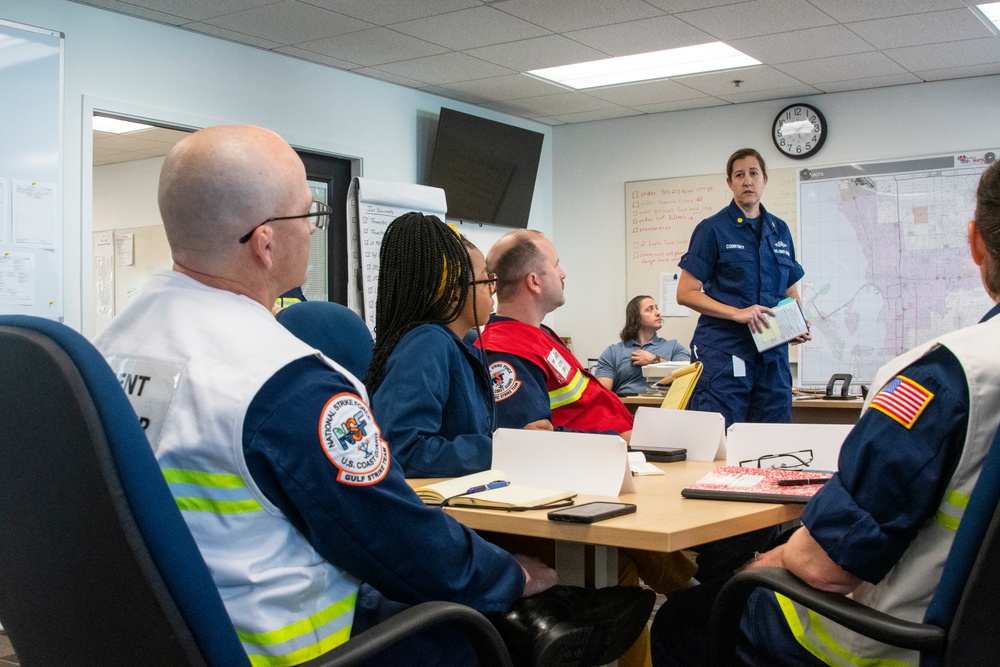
{"type": "Point", "coordinates": [744, 259]}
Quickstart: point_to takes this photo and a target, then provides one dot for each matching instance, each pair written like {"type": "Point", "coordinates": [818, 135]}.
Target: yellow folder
{"type": "Point", "coordinates": [682, 382]}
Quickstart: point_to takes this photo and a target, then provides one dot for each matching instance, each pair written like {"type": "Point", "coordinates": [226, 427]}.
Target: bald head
{"type": "Point", "coordinates": [513, 257]}
{"type": "Point", "coordinates": [217, 183]}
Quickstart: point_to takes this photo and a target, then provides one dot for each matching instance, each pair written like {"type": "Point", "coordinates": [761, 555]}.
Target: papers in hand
{"type": "Point", "coordinates": [457, 492]}
{"type": "Point", "coordinates": [786, 324]}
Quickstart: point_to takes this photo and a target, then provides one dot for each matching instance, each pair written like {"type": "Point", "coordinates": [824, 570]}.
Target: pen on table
{"type": "Point", "coordinates": [498, 484]}
{"type": "Point", "coordinates": [803, 482]}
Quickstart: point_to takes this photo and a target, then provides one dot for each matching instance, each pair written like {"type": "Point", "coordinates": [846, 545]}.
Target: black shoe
{"type": "Point", "coordinates": [569, 626]}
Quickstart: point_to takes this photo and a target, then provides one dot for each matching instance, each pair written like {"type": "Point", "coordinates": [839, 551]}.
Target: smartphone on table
{"type": "Point", "coordinates": [591, 512]}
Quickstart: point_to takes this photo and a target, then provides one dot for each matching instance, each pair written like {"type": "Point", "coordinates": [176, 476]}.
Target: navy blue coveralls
{"type": "Point", "coordinates": [736, 269]}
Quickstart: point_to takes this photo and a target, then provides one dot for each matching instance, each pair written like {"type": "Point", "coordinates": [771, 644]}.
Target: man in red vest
{"type": "Point", "coordinates": [534, 375]}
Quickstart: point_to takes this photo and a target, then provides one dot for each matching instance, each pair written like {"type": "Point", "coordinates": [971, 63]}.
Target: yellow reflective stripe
{"type": "Point", "coordinates": [303, 654]}
{"type": "Point", "coordinates": [211, 480]}
{"type": "Point", "coordinates": [195, 504]}
{"type": "Point", "coordinates": [216, 480]}
{"type": "Point", "coordinates": [956, 500]}
{"type": "Point", "coordinates": [827, 650]}
{"type": "Point", "coordinates": [569, 393]}
{"type": "Point", "coordinates": [299, 628]}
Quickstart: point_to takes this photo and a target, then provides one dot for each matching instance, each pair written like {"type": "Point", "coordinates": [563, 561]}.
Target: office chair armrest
{"type": "Point", "coordinates": [729, 605]}
{"type": "Point", "coordinates": [478, 630]}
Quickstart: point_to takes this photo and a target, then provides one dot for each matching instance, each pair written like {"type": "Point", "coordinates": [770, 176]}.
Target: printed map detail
{"type": "Point", "coordinates": [886, 255]}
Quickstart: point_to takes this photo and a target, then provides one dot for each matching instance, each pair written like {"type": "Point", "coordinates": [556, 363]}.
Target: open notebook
{"type": "Point", "coordinates": [456, 493]}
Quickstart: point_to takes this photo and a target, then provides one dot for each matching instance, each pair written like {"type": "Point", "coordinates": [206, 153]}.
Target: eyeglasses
{"type": "Point", "coordinates": [317, 210]}
{"type": "Point", "coordinates": [786, 461]}
{"type": "Point", "coordinates": [490, 280]}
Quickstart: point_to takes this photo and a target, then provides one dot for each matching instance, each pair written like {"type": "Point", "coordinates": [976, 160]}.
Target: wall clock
{"type": "Point", "coordinates": [799, 131]}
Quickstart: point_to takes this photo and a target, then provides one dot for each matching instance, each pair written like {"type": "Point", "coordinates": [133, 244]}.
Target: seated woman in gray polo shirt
{"type": "Point", "coordinates": [620, 365]}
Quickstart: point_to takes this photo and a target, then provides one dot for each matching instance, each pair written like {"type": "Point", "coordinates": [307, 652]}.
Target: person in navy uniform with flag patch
{"type": "Point", "coordinates": [882, 527]}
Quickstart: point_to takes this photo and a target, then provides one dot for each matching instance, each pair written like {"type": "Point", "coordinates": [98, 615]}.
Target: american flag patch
{"type": "Point", "coordinates": [903, 400]}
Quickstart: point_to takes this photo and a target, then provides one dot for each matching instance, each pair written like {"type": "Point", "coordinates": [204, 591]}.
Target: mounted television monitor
{"type": "Point", "coordinates": [486, 169]}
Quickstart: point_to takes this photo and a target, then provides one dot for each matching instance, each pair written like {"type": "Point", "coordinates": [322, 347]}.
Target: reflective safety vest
{"type": "Point", "coordinates": [201, 355]}
{"type": "Point", "coordinates": [577, 399]}
{"type": "Point", "coordinates": [907, 589]}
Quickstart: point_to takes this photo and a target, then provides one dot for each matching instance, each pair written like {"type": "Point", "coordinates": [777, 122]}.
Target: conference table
{"type": "Point", "coordinates": [804, 411]}
{"type": "Point", "coordinates": [664, 521]}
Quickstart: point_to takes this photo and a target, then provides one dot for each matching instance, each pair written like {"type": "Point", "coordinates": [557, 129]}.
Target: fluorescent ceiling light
{"type": "Point", "coordinates": [646, 66]}
{"type": "Point", "coordinates": [117, 126]}
{"type": "Point", "coordinates": [991, 11]}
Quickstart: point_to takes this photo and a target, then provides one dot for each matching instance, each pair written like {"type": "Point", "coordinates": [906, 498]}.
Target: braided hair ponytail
{"type": "Point", "coordinates": [424, 274]}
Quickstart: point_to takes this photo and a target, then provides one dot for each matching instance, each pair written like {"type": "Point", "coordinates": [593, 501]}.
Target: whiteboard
{"type": "Point", "coordinates": [660, 215]}
{"type": "Point", "coordinates": [31, 229]}
{"type": "Point", "coordinates": [371, 206]}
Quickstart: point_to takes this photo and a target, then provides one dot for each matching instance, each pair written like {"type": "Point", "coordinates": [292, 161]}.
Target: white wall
{"type": "Point", "coordinates": [593, 161]}
{"type": "Point", "coordinates": [118, 63]}
{"type": "Point", "coordinates": [125, 195]}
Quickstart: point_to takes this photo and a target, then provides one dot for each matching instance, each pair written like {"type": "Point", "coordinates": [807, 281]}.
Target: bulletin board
{"type": "Point", "coordinates": [660, 215]}
{"type": "Point", "coordinates": [31, 229]}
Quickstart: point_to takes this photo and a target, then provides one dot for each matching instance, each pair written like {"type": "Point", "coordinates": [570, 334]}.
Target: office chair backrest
{"type": "Point", "coordinates": [965, 600]}
{"type": "Point", "coordinates": [97, 567]}
{"type": "Point", "coordinates": [333, 329]}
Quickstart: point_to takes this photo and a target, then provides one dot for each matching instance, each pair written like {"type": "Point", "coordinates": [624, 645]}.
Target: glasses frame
{"type": "Point", "coordinates": [323, 216]}
{"type": "Point", "coordinates": [803, 456]}
{"type": "Point", "coordinates": [491, 281]}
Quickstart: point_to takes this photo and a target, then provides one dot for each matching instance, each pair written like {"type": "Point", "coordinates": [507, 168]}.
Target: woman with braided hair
{"type": "Point", "coordinates": [430, 390]}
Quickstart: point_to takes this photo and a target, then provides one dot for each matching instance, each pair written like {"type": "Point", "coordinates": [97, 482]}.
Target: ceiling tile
{"type": "Point", "coordinates": [655, 34]}
{"type": "Point", "coordinates": [554, 105]}
{"type": "Point", "coordinates": [470, 28]}
{"type": "Point", "coordinates": [863, 83]}
{"type": "Point", "coordinates": [231, 35]}
{"type": "Point", "coordinates": [959, 72]}
{"type": "Point", "coordinates": [953, 54]}
{"type": "Point", "coordinates": [373, 47]}
{"type": "Point", "coordinates": [651, 92]}
{"type": "Point", "coordinates": [164, 135]}
{"type": "Point", "coordinates": [384, 12]}
{"type": "Point", "coordinates": [758, 17]}
{"type": "Point", "coordinates": [445, 68]}
{"type": "Point", "coordinates": [604, 114]}
{"type": "Point", "coordinates": [678, 6]}
{"type": "Point", "coordinates": [198, 10]}
{"type": "Point", "coordinates": [563, 15]}
{"type": "Point", "coordinates": [289, 22]}
{"type": "Point", "coordinates": [842, 68]}
{"type": "Point", "coordinates": [846, 11]}
{"type": "Point", "coordinates": [751, 79]}
{"type": "Point", "coordinates": [831, 40]}
{"type": "Point", "coordinates": [451, 94]}
{"type": "Point", "coordinates": [680, 106]}
{"type": "Point", "coordinates": [547, 120]}
{"type": "Point", "coordinates": [506, 87]}
{"type": "Point", "coordinates": [316, 58]}
{"type": "Point", "coordinates": [386, 76]}
{"type": "Point", "coordinates": [929, 28]}
{"type": "Point", "coordinates": [773, 94]}
{"type": "Point", "coordinates": [536, 53]}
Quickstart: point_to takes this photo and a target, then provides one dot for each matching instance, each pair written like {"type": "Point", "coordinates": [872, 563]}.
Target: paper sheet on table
{"type": "Point", "coordinates": [750, 441]}
{"type": "Point", "coordinates": [640, 466]}
{"type": "Point", "coordinates": [702, 434]}
{"type": "Point", "coordinates": [588, 463]}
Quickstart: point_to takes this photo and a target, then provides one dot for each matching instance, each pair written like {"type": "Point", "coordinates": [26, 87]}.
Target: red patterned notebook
{"type": "Point", "coordinates": [757, 485]}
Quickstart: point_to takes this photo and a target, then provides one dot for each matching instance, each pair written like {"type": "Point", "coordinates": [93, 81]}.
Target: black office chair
{"type": "Point", "coordinates": [97, 566]}
{"type": "Point", "coordinates": [333, 329]}
{"type": "Point", "coordinates": [960, 625]}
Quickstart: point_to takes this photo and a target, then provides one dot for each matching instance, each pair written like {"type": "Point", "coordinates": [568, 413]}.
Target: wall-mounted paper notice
{"type": "Point", "coordinates": [17, 278]}
{"type": "Point", "coordinates": [34, 214]}
{"type": "Point", "coordinates": [125, 249]}
{"type": "Point", "coordinates": [668, 297]}
{"type": "Point", "coordinates": [4, 211]}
